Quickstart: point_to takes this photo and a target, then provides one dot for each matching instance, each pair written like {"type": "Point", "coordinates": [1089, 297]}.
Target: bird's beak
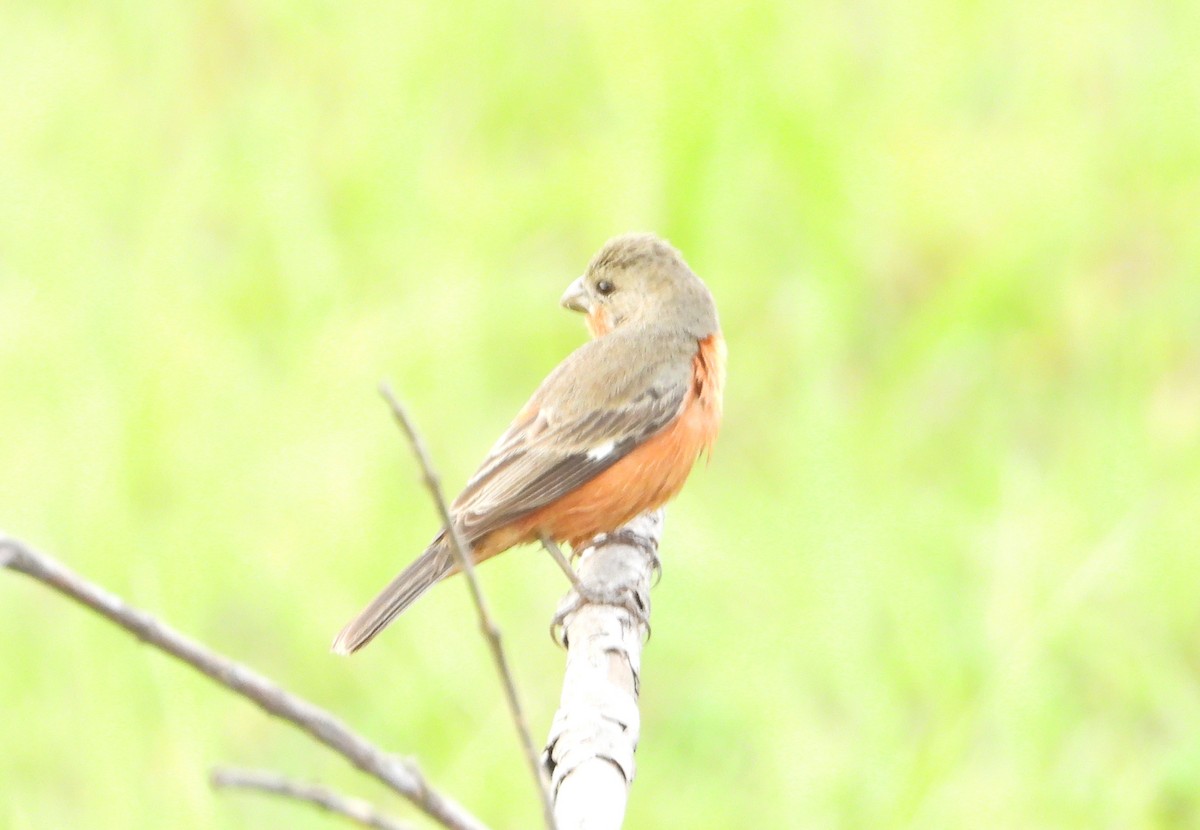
{"type": "Point", "coordinates": [576, 297]}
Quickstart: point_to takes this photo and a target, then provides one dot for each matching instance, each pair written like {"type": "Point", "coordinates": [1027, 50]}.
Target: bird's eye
{"type": "Point", "coordinates": [605, 287]}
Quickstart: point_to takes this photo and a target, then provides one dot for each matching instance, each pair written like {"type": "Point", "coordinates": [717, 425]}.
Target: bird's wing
{"type": "Point", "coordinates": [589, 414]}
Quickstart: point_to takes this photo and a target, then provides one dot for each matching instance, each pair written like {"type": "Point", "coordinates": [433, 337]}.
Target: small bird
{"type": "Point", "coordinates": [611, 433]}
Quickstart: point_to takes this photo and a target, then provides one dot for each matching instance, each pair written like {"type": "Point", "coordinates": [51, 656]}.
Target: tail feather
{"type": "Point", "coordinates": [435, 563]}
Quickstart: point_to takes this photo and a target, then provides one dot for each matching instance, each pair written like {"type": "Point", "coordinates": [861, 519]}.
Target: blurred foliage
{"type": "Point", "coordinates": [942, 570]}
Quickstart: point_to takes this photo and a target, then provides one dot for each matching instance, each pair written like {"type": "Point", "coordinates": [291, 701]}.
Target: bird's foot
{"type": "Point", "coordinates": [623, 597]}
{"type": "Point", "coordinates": [559, 558]}
{"type": "Point", "coordinates": [647, 545]}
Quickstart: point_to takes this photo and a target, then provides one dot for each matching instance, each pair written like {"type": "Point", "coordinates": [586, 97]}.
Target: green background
{"type": "Point", "coordinates": [942, 571]}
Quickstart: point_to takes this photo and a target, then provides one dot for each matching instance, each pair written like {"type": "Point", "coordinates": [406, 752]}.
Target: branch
{"type": "Point", "coordinates": [589, 754]}
{"type": "Point", "coordinates": [487, 624]}
{"type": "Point", "coordinates": [353, 809]}
{"type": "Point", "coordinates": [402, 776]}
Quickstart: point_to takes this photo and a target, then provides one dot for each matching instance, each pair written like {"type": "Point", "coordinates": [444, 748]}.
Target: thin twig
{"type": "Point", "coordinates": [402, 776]}
{"type": "Point", "coordinates": [487, 624]}
{"type": "Point", "coordinates": [270, 783]}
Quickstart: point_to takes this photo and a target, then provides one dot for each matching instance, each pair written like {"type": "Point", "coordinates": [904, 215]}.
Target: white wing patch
{"type": "Point", "coordinates": [602, 451]}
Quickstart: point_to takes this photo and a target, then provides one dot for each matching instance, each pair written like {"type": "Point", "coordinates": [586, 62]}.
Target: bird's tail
{"type": "Point", "coordinates": [435, 563]}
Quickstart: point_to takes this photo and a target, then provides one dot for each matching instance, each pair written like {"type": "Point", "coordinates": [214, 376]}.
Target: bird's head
{"type": "Point", "coordinates": [640, 280]}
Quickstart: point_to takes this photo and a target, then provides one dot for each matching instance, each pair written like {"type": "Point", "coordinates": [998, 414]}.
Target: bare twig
{"type": "Point", "coordinates": [590, 752]}
{"type": "Point", "coordinates": [487, 624]}
{"type": "Point", "coordinates": [270, 783]}
{"type": "Point", "coordinates": [402, 776]}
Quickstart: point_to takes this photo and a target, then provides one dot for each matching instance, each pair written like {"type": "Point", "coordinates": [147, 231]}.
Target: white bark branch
{"type": "Point", "coordinates": [402, 776]}
{"type": "Point", "coordinates": [589, 755]}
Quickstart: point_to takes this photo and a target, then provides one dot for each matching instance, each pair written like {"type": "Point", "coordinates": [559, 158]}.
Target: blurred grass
{"type": "Point", "coordinates": [942, 570]}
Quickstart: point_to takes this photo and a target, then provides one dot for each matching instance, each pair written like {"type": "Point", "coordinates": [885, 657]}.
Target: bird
{"type": "Point", "coordinates": [612, 432]}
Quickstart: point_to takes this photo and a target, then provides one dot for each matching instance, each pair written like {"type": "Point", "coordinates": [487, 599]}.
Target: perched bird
{"type": "Point", "coordinates": [612, 432]}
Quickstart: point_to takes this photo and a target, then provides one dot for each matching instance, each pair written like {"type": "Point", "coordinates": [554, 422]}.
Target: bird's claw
{"type": "Point", "coordinates": [624, 597]}
{"type": "Point", "coordinates": [645, 544]}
